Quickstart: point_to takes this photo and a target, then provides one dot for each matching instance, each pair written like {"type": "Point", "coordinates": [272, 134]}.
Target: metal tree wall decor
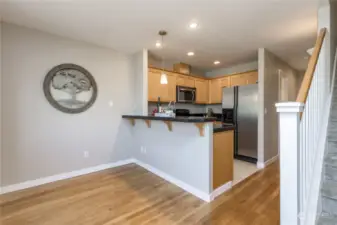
{"type": "Point", "coordinates": [70, 88]}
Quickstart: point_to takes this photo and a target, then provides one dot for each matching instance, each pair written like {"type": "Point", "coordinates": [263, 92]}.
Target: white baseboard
{"type": "Point", "coordinates": [194, 191]}
{"type": "Point", "coordinates": [262, 165]}
{"type": "Point", "coordinates": [62, 176]}
{"type": "Point", "coordinates": [200, 194]}
{"type": "Point", "coordinates": [221, 190]}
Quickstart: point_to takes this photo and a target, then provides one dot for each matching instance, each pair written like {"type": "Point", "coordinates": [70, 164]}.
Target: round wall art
{"type": "Point", "coordinates": [70, 88]}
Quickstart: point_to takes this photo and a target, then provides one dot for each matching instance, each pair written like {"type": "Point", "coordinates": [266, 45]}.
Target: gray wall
{"type": "Point", "coordinates": [240, 68]}
{"type": "Point", "coordinates": [269, 93]}
{"type": "Point", "coordinates": [140, 65]}
{"type": "Point", "coordinates": [182, 154]}
{"type": "Point", "coordinates": [38, 140]}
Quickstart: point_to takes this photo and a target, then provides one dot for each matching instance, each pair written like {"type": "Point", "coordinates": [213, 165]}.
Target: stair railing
{"type": "Point", "coordinates": [302, 132]}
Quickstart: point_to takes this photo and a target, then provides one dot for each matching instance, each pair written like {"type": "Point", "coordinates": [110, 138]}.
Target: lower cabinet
{"type": "Point", "coordinates": [223, 158]}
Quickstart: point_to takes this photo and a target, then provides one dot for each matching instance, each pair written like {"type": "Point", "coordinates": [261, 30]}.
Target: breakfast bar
{"type": "Point", "coordinates": [193, 153]}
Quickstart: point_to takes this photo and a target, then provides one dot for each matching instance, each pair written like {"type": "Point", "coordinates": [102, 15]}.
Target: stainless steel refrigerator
{"type": "Point", "coordinates": [243, 101]}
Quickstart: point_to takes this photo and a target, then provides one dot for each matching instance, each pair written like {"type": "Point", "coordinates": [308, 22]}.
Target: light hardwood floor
{"type": "Point", "coordinates": [131, 195]}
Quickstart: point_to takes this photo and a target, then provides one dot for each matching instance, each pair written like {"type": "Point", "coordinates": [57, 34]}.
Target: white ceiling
{"type": "Point", "coordinates": [230, 30]}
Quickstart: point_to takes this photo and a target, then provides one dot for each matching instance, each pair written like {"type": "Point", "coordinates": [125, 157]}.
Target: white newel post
{"type": "Point", "coordinates": [289, 145]}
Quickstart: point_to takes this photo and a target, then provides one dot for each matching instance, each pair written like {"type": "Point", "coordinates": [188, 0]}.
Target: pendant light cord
{"type": "Point", "coordinates": [163, 58]}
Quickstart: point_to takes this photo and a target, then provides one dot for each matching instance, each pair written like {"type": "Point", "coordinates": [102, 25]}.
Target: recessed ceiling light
{"type": "Point", "coordinates": [216, 62]}
{"type": "Point", "coordinates": [193, 25]}
{"type": "Point", "coordinates": [190, 53]}
{"type": "Point", "coordinates": [158, 44]}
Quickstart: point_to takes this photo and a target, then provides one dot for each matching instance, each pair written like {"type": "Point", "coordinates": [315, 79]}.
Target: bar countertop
{"type": "Point", "coordinates": [190, 119]}
{"type": "Point", "coordinates": [222, 127]}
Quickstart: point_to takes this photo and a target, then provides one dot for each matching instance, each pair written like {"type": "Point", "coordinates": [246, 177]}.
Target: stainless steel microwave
{"type": "Point", "coordinates": [186, 94]}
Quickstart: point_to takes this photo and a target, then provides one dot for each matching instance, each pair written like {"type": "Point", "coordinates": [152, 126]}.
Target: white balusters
{"type": "Point", "coordinates": [300, 145]}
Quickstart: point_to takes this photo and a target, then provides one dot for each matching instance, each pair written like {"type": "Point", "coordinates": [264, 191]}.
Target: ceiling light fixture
{"type": "Point", "coordinates": [158, 44]}
{"type": "Point", "coordinates": [216, 62]}
{"type": "Point", "coordinates": [193, 25]}
{"type": "Point", "coordinates": [190, 53]}
{"type": "Point", "coordinates": [163, 76]}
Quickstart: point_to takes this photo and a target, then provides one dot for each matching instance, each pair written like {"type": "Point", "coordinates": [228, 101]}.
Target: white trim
{"type": "Point", "coordinates": [221, 190]}
{"type": "Point", "coordinates": [188, 188]}
{"type": "Point", "coordinates": [289, 107]}
{"type": "Point", "coordinates": [63, 176]}
{"type": "Point", "coordinates": [200, 194]}
{"type": "Point", "coordinates": [262, 165]}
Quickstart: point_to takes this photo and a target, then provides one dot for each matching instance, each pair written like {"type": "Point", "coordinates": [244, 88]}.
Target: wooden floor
{"type": "Point", "coordinates": [131, 195]}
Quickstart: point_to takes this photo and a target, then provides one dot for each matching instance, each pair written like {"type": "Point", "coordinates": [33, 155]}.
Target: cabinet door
{"type": "Point", "coordinates": [154, 90]}
{"type": "Point", "coordinates": [225, 82]}
{"type": "Point", "coordinates": [252, 77]}
{"type": "Point", "coordinates": [223, 150]}
{"type": "Point", "coordinates": [180, 80]}
{"type": "Point", "coordinates": [202, 91]}
{"type": "Point", "coordinates": [215, 91]}
{"type": "Point", "coordinates": [238, 80]}
{"type": "Point", "coordinates": [189, 82]}
{"type": "Point", "coordinates": [185, 81]}
{"type": "Point", "coordinates": [171, 86]}
{"type": "Point", "coordinates": [166, 92]}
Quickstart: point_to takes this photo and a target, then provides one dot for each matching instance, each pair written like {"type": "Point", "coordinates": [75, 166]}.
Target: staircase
{"type": "Point", "coordinates": [308, 144]}
{"type": "Point", "coordinates": [328, 216]}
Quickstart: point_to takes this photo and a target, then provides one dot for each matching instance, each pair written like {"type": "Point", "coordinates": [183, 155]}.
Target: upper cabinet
{"type": "Point", "coordinates": [166, 92]}
{"type": "Point", "coordinates": [244, 79]}
{"type": "Point", "coordinates": [202, 91]}
{"type": "Point", "coordinates": [225, 82]}
{"type": "Point", "coordinates": [208, 91]}
{"type": "Point", "coordinates": [252, 77]}
{"type": "Point", "coordinates": [215, 91]}
{"type": "Point", "coordinates": [185, 81]}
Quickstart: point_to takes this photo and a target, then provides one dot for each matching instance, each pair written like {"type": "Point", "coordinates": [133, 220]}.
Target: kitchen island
{"type": "Point", "coordinates": [187, 151]}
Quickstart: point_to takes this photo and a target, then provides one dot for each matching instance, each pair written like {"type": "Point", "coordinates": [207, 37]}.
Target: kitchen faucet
{"type": "Point", "coordinates": [170, 105]}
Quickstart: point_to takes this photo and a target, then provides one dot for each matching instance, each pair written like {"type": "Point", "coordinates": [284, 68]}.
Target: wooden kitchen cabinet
{"type": "Point", "coordinates": [238, 80]}
{"type": "Point", "coordinates": [225, 82]}
{"type": "Point", "coordinates": [244, 79]}
{"type": "Point", "coordinates": [202, 91]}
{"type": "Point", "coordinates": [252, 77]}
{"type": "Point", "coordinates": [215, 91]}
{"type": "Point", "coordinates": [223, 159]}
{"type": "Point", "coordinates": [166, 92]}
{"type": "Point", "coordinates": [185, 81]}
{"type": "Point", "coordinates": [209, 91]}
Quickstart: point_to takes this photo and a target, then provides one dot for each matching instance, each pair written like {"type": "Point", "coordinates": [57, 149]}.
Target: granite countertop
{"type": "Point", "coordinates": [190, 119]}
{"type": "Point", "coordinates": [222, 127]}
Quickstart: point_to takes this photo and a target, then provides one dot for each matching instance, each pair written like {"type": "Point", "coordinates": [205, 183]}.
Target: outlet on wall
{"type": "Point", "coordinates": [86, 154]}
{"type": "Point", "coordinates": [143, 150]}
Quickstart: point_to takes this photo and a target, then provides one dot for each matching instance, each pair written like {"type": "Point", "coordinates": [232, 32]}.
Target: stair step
{"type": "Point", "coordinates": [329, 189]}
{"type": "Point", "coordinates": [329, 206]}
{"type": "Point", "coordinates": [330, 160]}
{"type": "Point", "coordinates": [330, 174]}
{"type": "Point", "coordinates": [332, 146]}
{"type": "Point", "coordinates": [333, 116]}
{"type": "Point", "coordinates": [332, 131]}
{"type": "Point", "coordinates": [327, 220]}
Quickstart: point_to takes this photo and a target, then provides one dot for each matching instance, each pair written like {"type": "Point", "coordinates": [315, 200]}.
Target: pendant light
{"type": "Point", "coordinates": [163, 76]}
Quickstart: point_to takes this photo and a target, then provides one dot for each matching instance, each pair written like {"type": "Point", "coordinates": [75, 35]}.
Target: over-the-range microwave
{"type": "Point", "coordinates": [186, 94]}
